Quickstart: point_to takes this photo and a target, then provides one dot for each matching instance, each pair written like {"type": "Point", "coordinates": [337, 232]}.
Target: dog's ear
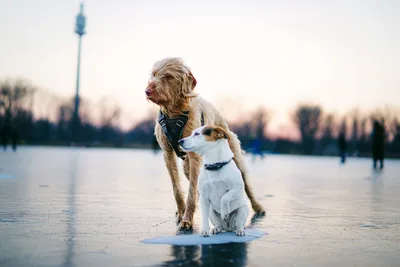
{"type": "Point", "coordinates": [189, 82]}
{"type": "Point", "coordinates": [194, 82]}
{"type": "Point", "coordinates": [221, 133]}
{"type": "Point", "coordinates": [215, 133]}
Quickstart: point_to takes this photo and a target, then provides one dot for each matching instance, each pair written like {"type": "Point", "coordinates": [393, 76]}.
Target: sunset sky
{"type": "Point", "coordinates": [339, 54]}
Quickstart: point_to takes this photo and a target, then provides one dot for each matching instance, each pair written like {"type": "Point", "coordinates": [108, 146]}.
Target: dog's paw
{"type": "Point", "coordinates": [240, 232]}
{"type": "Point", "coordinates": [178, 217]}
{"type": "Point", "coordinates": [185, 225]}
{"type": "Point", "coordinates": [204, 233]}
{"type": "Point", "coordinates": [216, 230]}
{"type": "Point", "coordinates": [260, 211]}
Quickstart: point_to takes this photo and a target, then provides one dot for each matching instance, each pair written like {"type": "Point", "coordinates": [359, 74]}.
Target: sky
{"type": "Point", "coordinates": [339, 54]}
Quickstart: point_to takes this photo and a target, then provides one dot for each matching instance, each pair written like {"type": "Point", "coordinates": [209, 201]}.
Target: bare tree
{"type": "Point", "coordinates": [327, 134]}
{"type": "Point", "coordinates": [355, 129]}
{"type": "Point", "coordinates": [65, 112]}
{"type": "Point", "coordinates": [14, 95]}
{"type": "Point", "coordinates": [387, 115]}
{"type": "Point", "coordinates": [307, 119]}
{"type": "Point", "coordinates": [328, 127]}
{"type": "Point", "coordinates": [109, 119]}
{"type": "Point", "coordinates": [260, 119]}
{"type": "Point", "coordinates": [109, 113]}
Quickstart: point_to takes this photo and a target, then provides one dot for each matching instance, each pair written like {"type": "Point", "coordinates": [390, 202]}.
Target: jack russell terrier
{"type": "Point", "coordinates": [220, 183]}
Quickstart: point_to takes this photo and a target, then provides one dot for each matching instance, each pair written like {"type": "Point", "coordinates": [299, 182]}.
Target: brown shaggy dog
{"type": "Point", "coordinates": [171, 87]}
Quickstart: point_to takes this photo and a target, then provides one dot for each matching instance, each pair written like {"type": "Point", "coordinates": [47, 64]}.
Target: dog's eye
{"type": "Point", "coordinates": [196, 134]}
{"type": "Point", "coordinates": [207, 131]}
{"type": "Point", "coordinates": [168, 77]}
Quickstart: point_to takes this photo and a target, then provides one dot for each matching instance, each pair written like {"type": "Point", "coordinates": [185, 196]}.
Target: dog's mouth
{"type": "Point", "coordinates": [154, 98]}
{"type": "Point", "coordinates": [151, 99]}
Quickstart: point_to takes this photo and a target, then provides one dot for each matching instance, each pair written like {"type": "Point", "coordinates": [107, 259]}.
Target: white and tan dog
{"type": "Point", "coordinates": [220, 183]}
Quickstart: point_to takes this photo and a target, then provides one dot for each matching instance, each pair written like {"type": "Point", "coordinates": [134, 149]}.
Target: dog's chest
{"type": "Point", "coordinates": [218, 188]}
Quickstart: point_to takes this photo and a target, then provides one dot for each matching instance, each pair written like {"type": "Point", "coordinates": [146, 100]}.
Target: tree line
{"type": "Point", "coordinates": [41, 118]}
{"type": "Point", "coordinates": [319, 131]}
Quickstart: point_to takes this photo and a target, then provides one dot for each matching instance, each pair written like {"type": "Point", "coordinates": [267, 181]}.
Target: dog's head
{"type": "Point", "coordinates": [171, 83]}
{"type": "Point", "coordinates": [203, 138]}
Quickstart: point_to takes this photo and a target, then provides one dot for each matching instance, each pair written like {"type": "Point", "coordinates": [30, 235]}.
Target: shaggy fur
{"type": "Point", "coordinates": [171, 87]}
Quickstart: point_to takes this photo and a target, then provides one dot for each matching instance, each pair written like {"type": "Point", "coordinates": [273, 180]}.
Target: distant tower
{"type": "Point", "coordinates": [80, 30]}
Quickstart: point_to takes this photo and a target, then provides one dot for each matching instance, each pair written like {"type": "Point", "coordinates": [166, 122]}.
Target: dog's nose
{"type": "Point", "coordinates": [148, 91]}
{"type": "Point", "coordinates": [180, 142]}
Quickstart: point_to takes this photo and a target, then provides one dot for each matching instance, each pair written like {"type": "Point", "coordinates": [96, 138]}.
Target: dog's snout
{"type": "Point", "coordinates": [148, 91]}
{"type": "Point", "coordinates": [150, 88]}
{"type": "Point", "coordinates": [180, 142]}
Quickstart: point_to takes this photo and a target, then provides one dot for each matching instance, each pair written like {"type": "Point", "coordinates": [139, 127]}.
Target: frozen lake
{"type": "Point", "coordinates": [92, 207]}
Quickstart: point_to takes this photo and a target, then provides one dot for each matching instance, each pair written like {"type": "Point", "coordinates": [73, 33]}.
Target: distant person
{"type": "Point", "coordinates": [342, 144]}
{"type": "Point", "coordinates": [378, 143]}
{"type": "Point", "coordinates": [14, 136]}
{"type": "Point", "coordinates": [4, 135]}
{"type": "Point", "coordinates": [256, 148]}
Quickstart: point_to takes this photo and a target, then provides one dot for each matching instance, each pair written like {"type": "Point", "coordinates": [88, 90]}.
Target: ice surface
{"type": "Point", "coordinates": [196, 239]}
{"type": "Point", "coordinates": [5, 176]}
{"type": "Point", "coordinates": [76, 207]}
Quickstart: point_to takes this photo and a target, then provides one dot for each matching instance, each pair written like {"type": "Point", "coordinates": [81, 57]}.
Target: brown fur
{"type": "Point", "coordinates": [214, 133]}
{"type": "Point", "coordinates": [171, 87]}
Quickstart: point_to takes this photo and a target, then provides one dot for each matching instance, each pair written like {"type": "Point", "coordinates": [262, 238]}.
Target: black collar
{"type": "Point", "coordinates": [216, 166]}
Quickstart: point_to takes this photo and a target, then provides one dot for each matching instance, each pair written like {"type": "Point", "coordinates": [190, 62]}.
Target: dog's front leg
{"type": "Point", "coordinates": [230, 201]}
{"type": "Point", "coordinates": [170, 161]}
{"type": "Point", "coordinates": [205, 211]}
{"type": "Point", "coordinates": [187, 220]}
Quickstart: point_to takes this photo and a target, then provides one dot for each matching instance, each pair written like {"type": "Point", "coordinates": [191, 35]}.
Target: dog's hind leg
{"type": "Point", "coordinates": [239, 160]}
{"type": "Point", "coordinates": [187, 219]}
{"type": "Point", "coordinates": [170, 161]}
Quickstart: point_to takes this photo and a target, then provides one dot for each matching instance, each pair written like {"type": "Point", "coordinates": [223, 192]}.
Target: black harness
{"type": "Point", "coordinates": [216, 166]}
{"type": "Point", "coordinates": [173, 129]}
